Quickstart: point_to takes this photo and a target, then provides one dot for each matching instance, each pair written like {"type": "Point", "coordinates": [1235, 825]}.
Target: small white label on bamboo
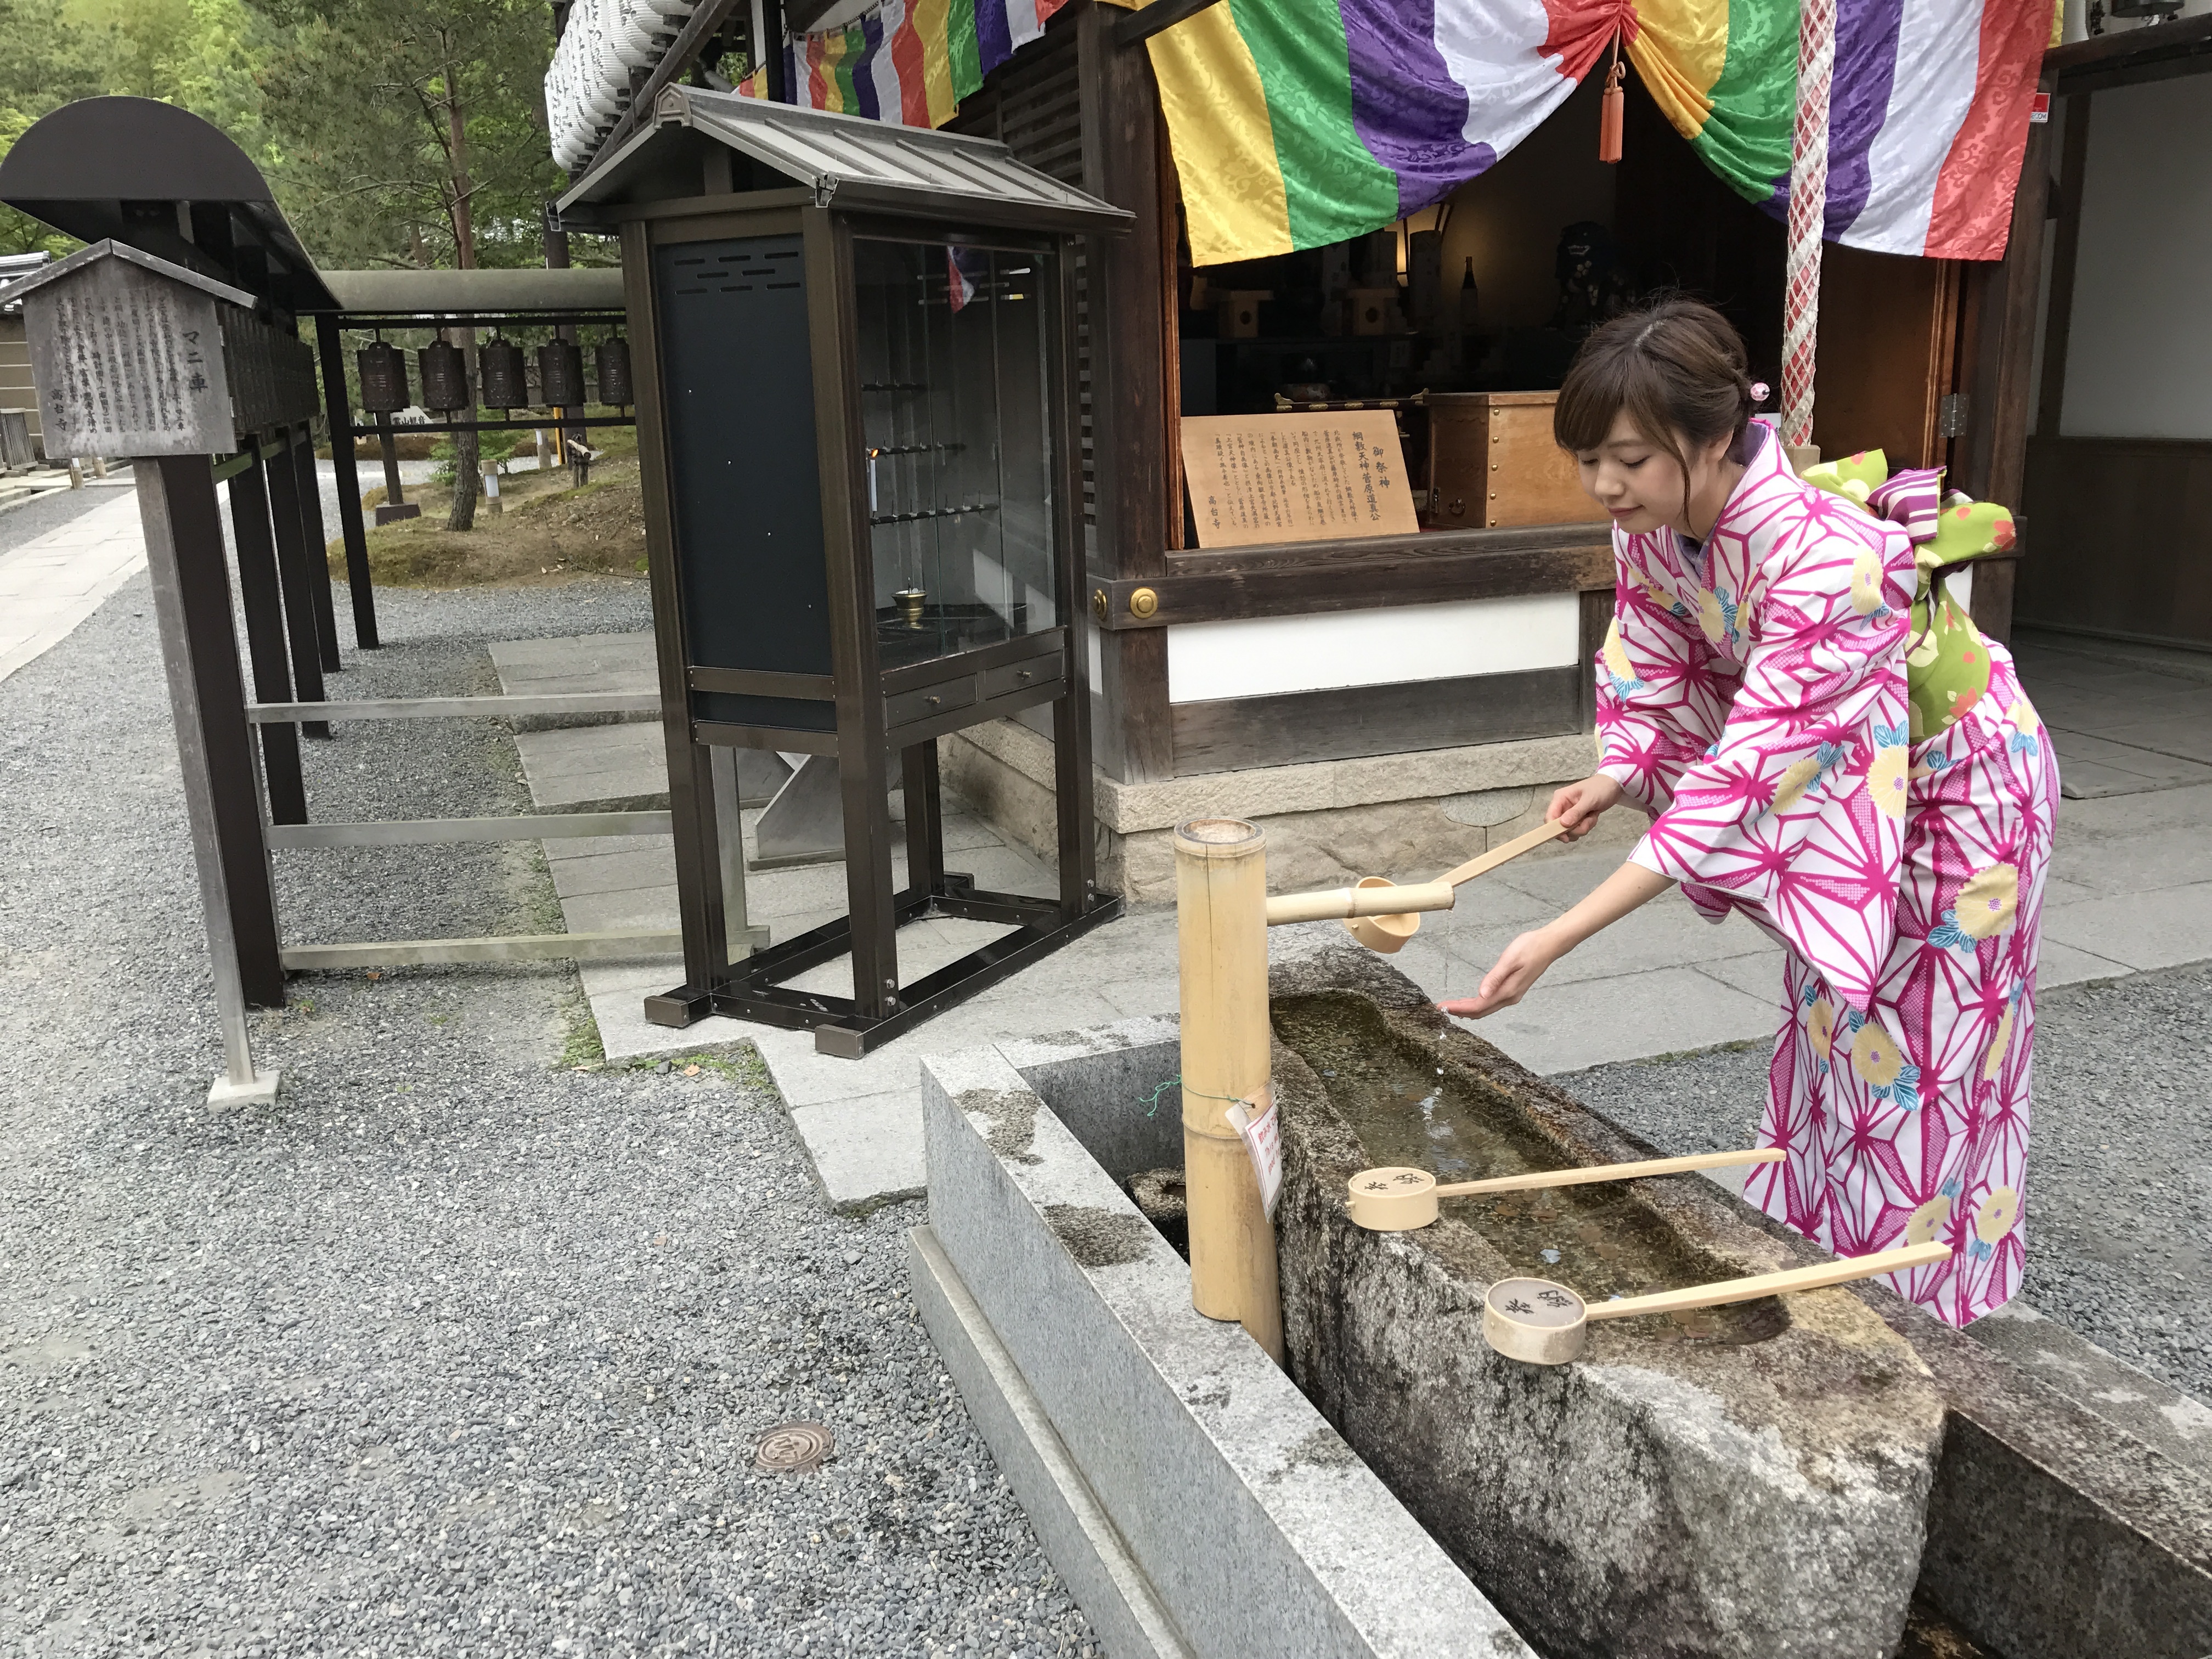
{"type": "Point", "coordinates": [1254, 1122]}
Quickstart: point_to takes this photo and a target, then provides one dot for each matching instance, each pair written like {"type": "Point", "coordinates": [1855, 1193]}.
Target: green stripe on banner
{"type": "Point", "coordinates": [1332, 187]}
{"type": "Point", "coordinates": [855, 43]}
{"type": "Point", "coordinates": [1747, 137]}
{"type": "Point", "coordinates": [966, 57]}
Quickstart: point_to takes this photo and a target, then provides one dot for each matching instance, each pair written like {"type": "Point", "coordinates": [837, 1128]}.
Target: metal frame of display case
{"type": "Point", "coordinates": [832, 180]}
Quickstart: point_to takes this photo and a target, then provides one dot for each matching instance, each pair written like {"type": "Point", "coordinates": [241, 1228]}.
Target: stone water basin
{"type": "Point", "coordinates": [1748, 1483]}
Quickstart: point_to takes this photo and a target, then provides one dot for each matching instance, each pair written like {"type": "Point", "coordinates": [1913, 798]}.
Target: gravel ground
{"type": "Point", "coordinates": [457, 1348]}
{"type": "Point", "coordinates": [2119, 1171]}
{"type": "Point", "coordinates": [370, 475]}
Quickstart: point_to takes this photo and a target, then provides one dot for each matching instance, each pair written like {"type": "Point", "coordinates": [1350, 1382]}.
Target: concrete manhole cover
{"type": "Point", "coordinates": [793, 1449]}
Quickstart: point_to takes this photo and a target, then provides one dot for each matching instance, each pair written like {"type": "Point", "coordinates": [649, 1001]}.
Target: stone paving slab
{"type": "Point", "coordinates": [54, 581]}
{"type": "Point", "coordinates": [2121, 728]}
{"type": "Point", "coordinates": [617, 663]}
{"type": "Point", "coordinates": [596, 768]}
{"type": "Point", "coordinates": [2162, 928]}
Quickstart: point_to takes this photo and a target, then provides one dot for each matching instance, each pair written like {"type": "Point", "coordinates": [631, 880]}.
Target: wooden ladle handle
{"type": "Point", "coordinates": [1505, 854]}
{"type": "Point", "coordinates": [1842, 1272]}
{"type": "Point", "coordinates": [1656, 1166]}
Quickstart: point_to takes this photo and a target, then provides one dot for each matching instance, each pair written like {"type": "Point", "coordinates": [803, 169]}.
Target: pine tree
{"type": "Point", "coordinates": [413, 134]}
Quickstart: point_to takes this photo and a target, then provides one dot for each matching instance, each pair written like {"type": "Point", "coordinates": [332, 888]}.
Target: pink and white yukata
{"type": "Point", "coordinates": [1752, 697]}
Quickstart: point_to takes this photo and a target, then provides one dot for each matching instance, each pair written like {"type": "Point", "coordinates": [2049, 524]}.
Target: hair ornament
{"type": "Point", "coordinates": [1758, 390]}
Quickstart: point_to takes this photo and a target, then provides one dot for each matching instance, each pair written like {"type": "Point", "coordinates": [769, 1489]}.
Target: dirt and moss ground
{"type": "Point", "coordinates": [547, 531]}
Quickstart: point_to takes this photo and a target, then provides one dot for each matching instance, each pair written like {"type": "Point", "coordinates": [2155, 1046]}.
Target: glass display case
{"type": "Point", "coordinates": [858, 425]}
{"type": "Point", "coordinates": [954, 418]}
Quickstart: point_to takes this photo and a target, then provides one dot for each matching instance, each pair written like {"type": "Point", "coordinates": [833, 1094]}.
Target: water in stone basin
{"type": "Point", "coordinates": [1408, 1110]}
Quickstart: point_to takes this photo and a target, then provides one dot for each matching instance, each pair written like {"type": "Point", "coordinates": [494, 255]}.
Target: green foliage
{"type": "Point", "coordinates": [48, 62]}
{"type": "Point", "coordinates": [413, 130]}
{"type": "Point", "coordinates": [396, 133]}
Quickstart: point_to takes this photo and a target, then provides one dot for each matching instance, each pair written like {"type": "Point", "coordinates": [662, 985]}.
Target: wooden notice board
{"type": "Point", "coordinates": [1296, 477]}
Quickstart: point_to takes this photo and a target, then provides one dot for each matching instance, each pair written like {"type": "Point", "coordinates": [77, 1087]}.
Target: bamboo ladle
{"type": "Point", "coordinates": [1362, 909]}
{"type": "Point", "coordinates": [1541, 1323]}
{"type": "Point", "coordinates": [1394, 1200]}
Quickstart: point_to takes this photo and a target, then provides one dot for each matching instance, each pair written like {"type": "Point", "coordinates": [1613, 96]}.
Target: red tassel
{"type": "Point", "coordinates": [1610, 107]}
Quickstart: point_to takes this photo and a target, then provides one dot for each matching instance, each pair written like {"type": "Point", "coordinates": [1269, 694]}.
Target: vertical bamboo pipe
{"type": "Point", "coordinates": [1221, 927]}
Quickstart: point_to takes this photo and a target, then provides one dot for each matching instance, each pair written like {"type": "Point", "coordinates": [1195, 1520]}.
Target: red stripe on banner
{"type": "Point", "coordinates": [1973, 211]}
{"type": "Point", "coordinates": [1045, 8]}
{"type": "Point", "coordinates": [1580, 32]}
{"type": "Point", "coordinates": [817, 86]}
{"type": "Point", "coordinates": [913, 77]}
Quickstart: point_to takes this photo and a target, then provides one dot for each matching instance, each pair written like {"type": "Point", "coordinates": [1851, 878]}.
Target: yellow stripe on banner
{"type": "Point", "coordinates": [1680, 50]}
{"type": "Point", "coordinates": [1224, 146]}
{"type": "Point", "coordinates": [932, 27]}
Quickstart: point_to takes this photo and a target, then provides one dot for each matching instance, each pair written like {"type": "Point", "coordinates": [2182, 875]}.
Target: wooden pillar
{"type": "Point", "coordinates": [261, 599]}
{"type": "Point", "coordinates": [309, 487]}
{"type": "Point", "coordinates": [297, 581]}
{"type": "Point", "coordinates": [338, 409]}
{"type": "Point", "coordinates": [1135, 368]}
{"type": "Point", "coordinates": [207, 696]}
{"type": "Point", "coordinates": [1221, 931]}
{"type": "Point", "coordinates": [1998, 354]}
{"type": "Point", "coordinates": [925, 819]}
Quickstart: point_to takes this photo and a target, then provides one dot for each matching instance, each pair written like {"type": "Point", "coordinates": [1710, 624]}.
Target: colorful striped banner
{"type": "Point", "coordinates": [907, 61]}
{"type": "Point", "coordinates": [1296, 126]}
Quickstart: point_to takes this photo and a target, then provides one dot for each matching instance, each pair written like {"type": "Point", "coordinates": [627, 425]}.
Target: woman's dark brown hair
{"type": "Point", "coordinates": [1676, 368]}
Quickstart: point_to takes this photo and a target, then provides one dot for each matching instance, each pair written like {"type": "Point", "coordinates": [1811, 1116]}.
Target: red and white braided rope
{"type": "Point", "coordinates": [1808, 205]}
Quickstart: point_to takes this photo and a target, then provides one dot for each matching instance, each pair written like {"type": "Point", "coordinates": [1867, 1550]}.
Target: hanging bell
{"type": "Point", "coordinates": [614, 373]}
{"type": "Point", "coordinates": [503, 376]}
{"type": "Point", "coordinates": [561, 373]}
{"type": "Point", "coordinates": [383, 369]}
{"type": "Point", "coordinates": [445, 375]}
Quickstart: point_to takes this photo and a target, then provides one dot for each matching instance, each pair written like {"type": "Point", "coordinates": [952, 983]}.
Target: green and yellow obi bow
{"type": "Point", "coordinates": [1947, 663]}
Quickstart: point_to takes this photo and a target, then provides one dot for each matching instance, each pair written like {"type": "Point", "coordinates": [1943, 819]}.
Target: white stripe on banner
{"type": "Point", "coordinates": [1022, 25]}
{"type": "Point", "coordinates": [1497, 52]}
{"type": "Point", "coordinates": [1938, 55]}
{"type": "Point", "coordinates": [883, 72]}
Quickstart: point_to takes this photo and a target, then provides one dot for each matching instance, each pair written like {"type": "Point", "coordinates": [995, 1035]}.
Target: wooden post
{"type": "Point", "coordinates": [337, 405]}
{"type": "Point", "coordinates": [1221, 898]}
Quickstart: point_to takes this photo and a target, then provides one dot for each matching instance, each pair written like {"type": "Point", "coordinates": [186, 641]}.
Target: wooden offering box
{"type": "Point", "coordinates": [1493, 463]}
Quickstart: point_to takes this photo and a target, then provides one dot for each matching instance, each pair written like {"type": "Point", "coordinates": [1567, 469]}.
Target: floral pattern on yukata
{"type": "Point", "coordinates": [1905, 882]}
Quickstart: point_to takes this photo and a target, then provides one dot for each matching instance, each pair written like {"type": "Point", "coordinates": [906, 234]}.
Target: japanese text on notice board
{"type": "Point", "coordinates": [1296, 477]}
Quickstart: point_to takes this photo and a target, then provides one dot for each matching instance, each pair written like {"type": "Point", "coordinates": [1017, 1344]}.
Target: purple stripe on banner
{"type": "Point", "coordinates": [1405, 108]}
{"type": "Point", "coordinates": [994, 41]}
{"type": "Point", "coordinates": [863, 66]}
{"type": "Point", "coordinates": [794, 72]}
{"type": "Point", "coordinates": [1858, 99]}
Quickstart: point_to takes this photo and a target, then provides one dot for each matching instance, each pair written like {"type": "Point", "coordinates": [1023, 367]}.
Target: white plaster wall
{"type": "Point", "coordinates": [2139, 356]}
{"type": "Point", "coordinates": [1274, 654]}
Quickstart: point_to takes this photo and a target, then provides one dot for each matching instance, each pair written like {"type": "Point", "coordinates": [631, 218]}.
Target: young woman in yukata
{"type": "Point", "coordinates": [1753, 700]}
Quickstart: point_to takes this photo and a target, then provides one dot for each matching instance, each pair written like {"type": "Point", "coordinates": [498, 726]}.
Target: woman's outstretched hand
{"type": "Point", "coordinates": [1579, 803]}
{"type": "Point", "coordinates": [1519, 966]}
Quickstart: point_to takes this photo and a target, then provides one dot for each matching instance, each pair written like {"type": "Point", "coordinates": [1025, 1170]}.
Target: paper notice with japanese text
{"type": "Point", "coordinates": [1255, 1124]}
{"type": "Point", "coordinates": [1296, 477]}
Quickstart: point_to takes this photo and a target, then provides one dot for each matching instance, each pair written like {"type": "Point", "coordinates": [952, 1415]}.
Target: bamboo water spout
{"type": "Point", "coordinates": [1221, 927]}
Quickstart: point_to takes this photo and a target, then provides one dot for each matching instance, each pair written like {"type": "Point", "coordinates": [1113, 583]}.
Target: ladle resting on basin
{"type": "Point", "coordinates": [1541, 1323]}
{"type": "Point", "coordinates": [1395, 1200]}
